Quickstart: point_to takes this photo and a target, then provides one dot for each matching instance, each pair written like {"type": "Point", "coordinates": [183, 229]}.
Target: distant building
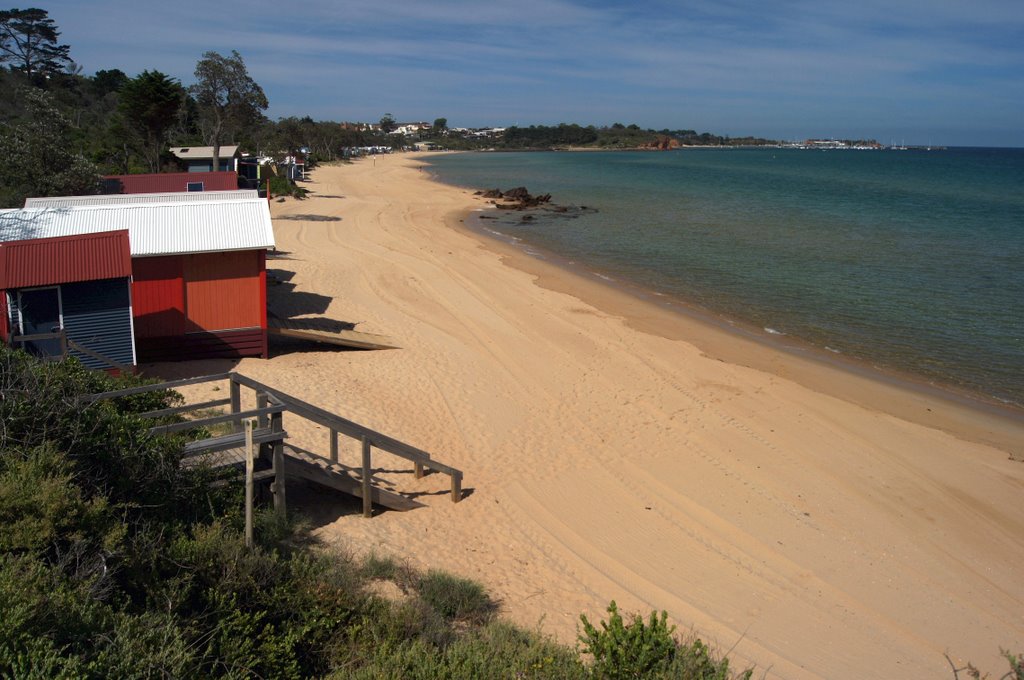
{"type": "Point", "coordinates": [200, 158]}
{"type": "Point", "coordinates": [170, 182]}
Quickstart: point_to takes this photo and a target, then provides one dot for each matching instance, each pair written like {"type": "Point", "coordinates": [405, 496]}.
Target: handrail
{"type": "Point", "coordinates": [347, 427]}
{"type": "Point", "coordinates": [175, 410]}
{"type": "Point", "coordinates": [214, 420]}
{"type": "Point", "coordinates": [169, 385]}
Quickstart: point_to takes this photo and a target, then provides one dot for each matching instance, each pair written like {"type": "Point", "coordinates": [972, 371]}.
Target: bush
{"type": "Point", "coordinates": [282, 186]}
{"type": "Point", "coordinates": [647, 650]}
{"type": "Point", "coordinates": [456, 598]}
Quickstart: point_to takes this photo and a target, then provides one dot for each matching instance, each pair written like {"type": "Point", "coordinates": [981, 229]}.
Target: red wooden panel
{"type": "Point", "coordinates": [223, 292]}
{"type": "Point", "coordinates": [244, 343]}
{"type": "Point", "coordinates": [65, 259]}
{"type": "Point", "coordinates": [158, 296]}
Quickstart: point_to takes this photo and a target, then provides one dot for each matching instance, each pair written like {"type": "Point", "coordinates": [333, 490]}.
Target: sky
{"type": "Point", "coordinates": [936, 72]}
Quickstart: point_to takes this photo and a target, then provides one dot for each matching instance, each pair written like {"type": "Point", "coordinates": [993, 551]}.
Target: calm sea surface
{"type": "Point", "coordinates": [910, 260]}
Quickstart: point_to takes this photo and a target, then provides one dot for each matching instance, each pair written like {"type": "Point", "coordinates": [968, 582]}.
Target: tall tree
{"type": "Point", "coordinates": [106, 81]}
{"type": "Point", "coordinates": [228, 98]}
{"type": "Point", "coordinates": [150, 103]}
{"type": "Point", "coordinates": [440, 126]}
{"type": "Point", "coordinates": [388, 124]}
{"type": "Point", "coordinates": [28, 39]}
{"type": "Point", "coordinates": [38, 156]}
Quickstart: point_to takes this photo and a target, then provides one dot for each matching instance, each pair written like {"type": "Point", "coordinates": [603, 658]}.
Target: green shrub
{"type": "Point", "coordinates": [1016, 665]}
{"type": "Point", "coordinates": [282, 186]}
{"type": "Point", "coordinates": [456, 598]}
{"type": "Point", "coordinates": [647, 650]}
{"type": "Point", "coordinates": [632, 650]}
{"type": "Point", "coordinates": [42, 512]}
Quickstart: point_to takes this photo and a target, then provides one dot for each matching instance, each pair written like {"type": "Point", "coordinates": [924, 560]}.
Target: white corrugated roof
{"type": "Point", "coordinates": [153, 228]}
{"type": "Point", "coordinates": [126, 199]}
{"type": "Point", "coordinates": [198, 152]}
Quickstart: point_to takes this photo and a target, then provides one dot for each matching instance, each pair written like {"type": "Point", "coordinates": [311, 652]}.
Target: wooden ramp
{"type": "Point", "coordinates": [327, 330]}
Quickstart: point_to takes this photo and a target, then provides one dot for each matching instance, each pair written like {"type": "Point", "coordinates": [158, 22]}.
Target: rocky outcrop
{"type": "Point", "coordinates": [515, 199]}
{"type": "Point", "coordinates": [519, 199]}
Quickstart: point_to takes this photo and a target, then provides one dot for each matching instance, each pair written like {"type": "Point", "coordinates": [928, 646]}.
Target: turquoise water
{"type": "Point", "coordinates": [910, 260]}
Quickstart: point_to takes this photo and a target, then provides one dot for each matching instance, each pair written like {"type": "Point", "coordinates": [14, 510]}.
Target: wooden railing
{"type": "Point", "coordinates": [271, 404]}
{"type": "Point", "coordinates": [337, 425]}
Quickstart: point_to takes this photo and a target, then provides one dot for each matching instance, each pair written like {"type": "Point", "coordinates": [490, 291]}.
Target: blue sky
{"type": "Point", "coordinates": [927, 72]}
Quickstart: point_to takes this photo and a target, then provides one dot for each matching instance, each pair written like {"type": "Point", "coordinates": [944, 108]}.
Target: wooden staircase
{"type": "Point", "coordinates": [278, 460]}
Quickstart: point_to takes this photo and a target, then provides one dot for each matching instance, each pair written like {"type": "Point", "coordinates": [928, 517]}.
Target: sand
{"type": "Point", "coordinates": [816, 522]}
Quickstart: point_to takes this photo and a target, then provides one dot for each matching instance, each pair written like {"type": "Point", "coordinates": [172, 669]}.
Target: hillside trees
{"type": "Point", "coordinates": [28, 41]}
{"type": "Point", "coordinates": [40, 158]}
{"type": "Point", "coordinates": [228, 99]}
{"type": "Point", "coordinates": [151, 103]}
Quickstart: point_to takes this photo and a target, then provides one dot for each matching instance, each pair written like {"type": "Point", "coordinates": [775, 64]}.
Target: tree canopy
{"type": "Point", "coordinates": [388, 124]}
{"type": "Point", "coordinates": [151, 102]}
{"type": "Point", "coordinates": [228, 98]}
{"type": "Point", "coordinates": [39, 156]}
{"type": "Point", "coordinates": [28, 41]}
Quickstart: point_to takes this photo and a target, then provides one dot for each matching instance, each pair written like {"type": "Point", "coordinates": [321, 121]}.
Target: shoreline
{"type": "Point", "coordinates": [558, 274]}
{"type": "Point", "coordinates": [803, 532]}
{"type": "Point", "coordinates": [926, 403]}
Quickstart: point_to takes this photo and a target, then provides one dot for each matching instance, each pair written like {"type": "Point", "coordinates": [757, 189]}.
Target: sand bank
{"type": "Point", "coordinates": [816, 521]}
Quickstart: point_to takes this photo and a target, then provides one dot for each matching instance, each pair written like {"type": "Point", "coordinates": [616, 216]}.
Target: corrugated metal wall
{"type": "Point", "coordinates": [174, 181]}
{"type": "Point", "coordinates": [97, 315]}
{"type": "Point", "coordinates": [222, 291]}
{"type": "Point", "coordinates": [64, 259]}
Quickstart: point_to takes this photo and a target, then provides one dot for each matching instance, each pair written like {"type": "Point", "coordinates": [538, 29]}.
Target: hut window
{"type": "Point", "coordinates": [194, 186]}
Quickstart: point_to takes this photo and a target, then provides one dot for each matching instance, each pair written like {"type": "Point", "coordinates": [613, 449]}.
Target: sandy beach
{"type": "Point", "coordinates": [812, 521]}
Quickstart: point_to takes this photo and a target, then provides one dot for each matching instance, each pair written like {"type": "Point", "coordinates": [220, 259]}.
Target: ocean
{"type": "Point", "coordinates": [909, 260]}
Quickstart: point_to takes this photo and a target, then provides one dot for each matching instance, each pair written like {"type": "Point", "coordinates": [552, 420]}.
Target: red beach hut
{"type": "Point", "coordinates": [198, 268]}
{"type": "Point", "coordinates": [69, 294]}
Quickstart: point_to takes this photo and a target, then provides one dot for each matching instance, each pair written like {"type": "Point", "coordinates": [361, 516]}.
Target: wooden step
{"type": "Point", "coordinates": [235, 440]}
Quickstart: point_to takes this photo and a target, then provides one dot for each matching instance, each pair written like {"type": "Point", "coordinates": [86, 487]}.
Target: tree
{"type": "Point", "coordinates": [38, 156]}
{"type": "Point", "coordinates": [104, 82]}
{"type": "Point", "coordinates": [440, 126]}
{"type": "Point", "coordinates": [227, 97]}
{"type": "Point", "coordinates": [151, 102]}
{"type": "Point", "coordinates": [388, 124]}
{"type": "Point", "coordinates": [28, 39]}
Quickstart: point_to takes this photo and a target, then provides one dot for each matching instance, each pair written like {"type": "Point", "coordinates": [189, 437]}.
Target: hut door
{"type": "Point", "coordinates": [40, 313]}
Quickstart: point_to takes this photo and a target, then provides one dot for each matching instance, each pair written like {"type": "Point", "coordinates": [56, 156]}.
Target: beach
{"type": "Point", "coordinates": [811, 520]}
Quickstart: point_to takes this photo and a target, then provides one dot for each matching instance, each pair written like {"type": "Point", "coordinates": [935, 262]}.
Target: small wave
{"type": "Point", "coordinates": [772, 331]}
{"type": "Point", "coordinates": [833, 350]}
{"type": "Point", "coordinates": [602, 276]}
{"type": "Point", "coordinates": [494, 231]}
